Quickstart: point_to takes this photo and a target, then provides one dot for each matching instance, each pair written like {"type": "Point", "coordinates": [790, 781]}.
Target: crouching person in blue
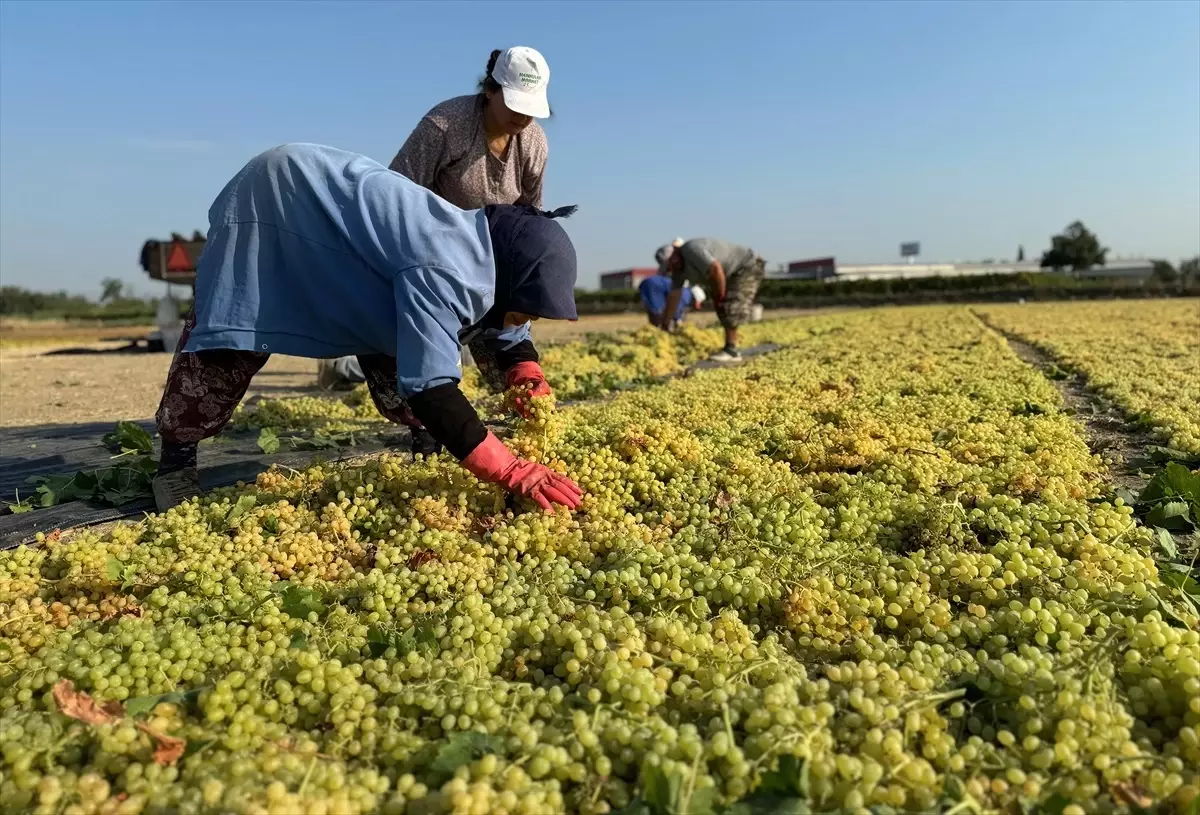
{"type": "Point", "coordinates": [654, 292]}
{"type": "Point", "coordinates": [315, 252]}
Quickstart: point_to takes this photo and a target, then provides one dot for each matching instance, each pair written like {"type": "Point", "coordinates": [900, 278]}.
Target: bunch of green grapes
{"type": "Point", "coordinates": [860, 571]}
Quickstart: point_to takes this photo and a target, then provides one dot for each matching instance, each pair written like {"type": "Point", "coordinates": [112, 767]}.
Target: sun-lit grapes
{"type": "Point", "coordinates": [878, 570]}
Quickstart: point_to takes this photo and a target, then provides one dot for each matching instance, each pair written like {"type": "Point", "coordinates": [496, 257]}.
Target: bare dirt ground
{"type": "Point", "coordinates": [36, 388]}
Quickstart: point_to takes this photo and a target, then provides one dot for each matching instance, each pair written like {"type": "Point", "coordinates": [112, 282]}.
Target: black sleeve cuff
{"type": "Point", "coordinates": [521, 352]}
{"type": "Point", "coordinates": [449, 418]}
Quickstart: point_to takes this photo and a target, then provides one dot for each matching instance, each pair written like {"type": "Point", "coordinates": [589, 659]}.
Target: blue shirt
{"type": "Point", "coordinates": [654, 292]}
{"type": "Point", "coordinates": [316, 252]}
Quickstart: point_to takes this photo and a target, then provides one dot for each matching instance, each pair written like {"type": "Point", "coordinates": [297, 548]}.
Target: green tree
{"type": "Point", "coordinates": [111, 290]}
{"type": "Point", "coordinates": [1077, 249]}
{"type": "Point", "coordinates": [1190, 269]}
{"type": "Point", "coordinates": [1164, 271]}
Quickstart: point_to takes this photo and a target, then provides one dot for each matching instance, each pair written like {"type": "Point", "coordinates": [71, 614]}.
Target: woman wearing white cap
{"type": "Point", "coordinates": [476, 151]}
{"type": "Point", "coordinates": [485, 148]}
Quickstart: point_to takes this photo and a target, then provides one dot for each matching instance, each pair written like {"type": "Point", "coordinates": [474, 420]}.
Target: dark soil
{"type": "Point", "coordinates": [1109, 432]}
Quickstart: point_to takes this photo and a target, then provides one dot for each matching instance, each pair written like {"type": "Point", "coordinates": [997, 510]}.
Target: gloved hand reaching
{"type": "Point", "coordinates": [523, 374]}
{"type": "Point", "coordinates": [491, 461]}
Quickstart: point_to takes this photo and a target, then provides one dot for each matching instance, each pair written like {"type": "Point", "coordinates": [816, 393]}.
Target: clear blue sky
{"type": "Point", "coordinates": [797, 128]}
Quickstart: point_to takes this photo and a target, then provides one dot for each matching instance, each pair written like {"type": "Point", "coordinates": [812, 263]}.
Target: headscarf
{"type": "Point", "coordinates": [535, 263]}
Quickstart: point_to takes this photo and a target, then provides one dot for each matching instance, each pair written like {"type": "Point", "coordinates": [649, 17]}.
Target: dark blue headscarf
{"type": "Point", "coordinates": [535, 263]}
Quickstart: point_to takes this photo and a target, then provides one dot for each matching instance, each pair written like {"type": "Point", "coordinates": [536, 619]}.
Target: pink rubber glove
{"type": "Point", "coordinates": [527, 373]}
{"type": "Point", "coordinates": [491, 461]}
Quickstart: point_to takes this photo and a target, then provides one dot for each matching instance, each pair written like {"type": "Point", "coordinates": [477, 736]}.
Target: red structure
{"type": "Point", "coordinates": [626, 278]}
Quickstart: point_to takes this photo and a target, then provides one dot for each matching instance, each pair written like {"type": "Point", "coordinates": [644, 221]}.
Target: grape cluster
{"type": "Point", "coordinates": [860, 573]}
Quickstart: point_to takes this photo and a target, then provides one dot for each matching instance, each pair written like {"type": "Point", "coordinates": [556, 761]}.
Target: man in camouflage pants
{"type": "Point", "coordinates": [734, 274]}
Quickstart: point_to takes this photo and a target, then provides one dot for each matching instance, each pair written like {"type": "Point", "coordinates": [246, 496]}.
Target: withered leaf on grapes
{"type": "Point", "coordinates": [81, 706]}
{"type": "Point", "coordinates": [167, 749]}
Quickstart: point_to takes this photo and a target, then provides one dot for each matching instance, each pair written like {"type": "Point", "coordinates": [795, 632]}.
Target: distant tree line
{"type": "Point", "coordinates": [1072, 252]}
{"type": "Point", "coordinates": [115, 304]}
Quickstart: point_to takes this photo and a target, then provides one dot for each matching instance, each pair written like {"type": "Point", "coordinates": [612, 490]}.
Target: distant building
{"type": "Point", "coordinates": [810, 270]}
{"type": "Point", "coordinates": [815, 269]}
{"type": "Point", "coordinates": [626, 278]}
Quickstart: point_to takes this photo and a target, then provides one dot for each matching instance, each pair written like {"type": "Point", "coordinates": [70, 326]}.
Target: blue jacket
{"type": "Point", "coordinates": [654, 291]}
{"type": "Point", "coordinates": [316, 252]}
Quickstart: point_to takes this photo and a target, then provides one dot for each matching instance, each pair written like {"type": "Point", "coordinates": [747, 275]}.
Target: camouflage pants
{"type": "Point", "coordinates": [740, 288]}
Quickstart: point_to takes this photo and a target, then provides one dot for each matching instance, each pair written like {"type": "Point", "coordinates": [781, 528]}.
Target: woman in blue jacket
{"type": "Point", "coordinates": [315, 252]}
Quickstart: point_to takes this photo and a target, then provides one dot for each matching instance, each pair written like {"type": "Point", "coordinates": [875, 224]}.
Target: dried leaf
{"type": "Point", "coordinates": [167, 749]}
{"type": "Point", "coordinates": [420, 558]}
{"type": "Point", "coordinates": [133, 610]}
{"type": "Point", "coordinates": [723, 500]}
{"type": "Point", "coordinates": [81, 706]}
{"type": "Point", "coordinates": [1130, 793]}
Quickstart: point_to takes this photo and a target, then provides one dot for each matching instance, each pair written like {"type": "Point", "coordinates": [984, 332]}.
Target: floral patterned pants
{"type": "Point", "coordinates": [204, 387]}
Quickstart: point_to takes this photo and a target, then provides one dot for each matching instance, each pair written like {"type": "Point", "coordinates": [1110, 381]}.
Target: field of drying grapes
{"type": "Point", "coordinates": [877, 570]}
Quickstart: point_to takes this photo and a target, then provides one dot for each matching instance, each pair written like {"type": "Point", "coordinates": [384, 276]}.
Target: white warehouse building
{"type": "Point", "coordinates": [828, 269]}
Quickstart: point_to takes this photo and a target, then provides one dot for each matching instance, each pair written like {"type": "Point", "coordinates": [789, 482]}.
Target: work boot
{"type": "Point", "coordinates": [174, 488]}
{"type": "Point", "coordinates": [424, 443]}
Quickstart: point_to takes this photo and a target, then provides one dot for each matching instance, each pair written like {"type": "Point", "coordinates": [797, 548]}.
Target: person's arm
{"type": "Point", "coordinates": [421, 155]}
{"type": "Point", "coordinates": [534, 170]}
{"type": "Point", "coordinates": [516, 355]}
{"type": "Point", "coordinates": [673, 299]}
{"type": "Point", "coordinates": [428, 376]}
{"type": "Point", "coordinates": [716, 273]}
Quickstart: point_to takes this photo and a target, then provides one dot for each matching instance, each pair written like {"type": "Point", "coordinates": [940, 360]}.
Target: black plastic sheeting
{"type": "Point", "coordinates": [234, 457]}
{"type": "Point", "coordinates": [44, 450]}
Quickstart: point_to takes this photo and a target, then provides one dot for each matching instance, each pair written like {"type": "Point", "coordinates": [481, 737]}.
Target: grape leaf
{"type": "Point", "coordinates": [427, 640]}
{"type": "Point", "coordinates": [1181, 580]}
{"type": "Point", "coordinates": [1164, 455]}
{"type": "Point", "coordinates": [268, 440]}
{"type": "Point", "coordinates": [659, 790]}
{"type": "Point", "coordinates": [113, 569]}
{"type": "Point", "coordinates": [243, 505]}
{"type": "Point", "coordinates": [463, 748]}
{"type": "Point", "coordinates": [1167, 543]}
{"type": "Point", "coordinates": [299, 641]}
{"type": "Point", "coordinates": [1174, 481]}
{"type": "Point", "coordinates": [378, 641]}
{"type": "Point", "coordinates": [763, 804]}
{"type": "Point", "coordinates": [127, 437]}
{"type": "Point", "coordinates": [299, 602]}
{"type": "Point", "coordinates": [144, 704]}
{"type": "Point", "coordinates": [1173, 515]}
{"type": "Point", "coordinates": [789, 778]}
{"type": "Point", "coordinates": [197, 746]}
{"type": "Point", "coordinates": [701, 802]}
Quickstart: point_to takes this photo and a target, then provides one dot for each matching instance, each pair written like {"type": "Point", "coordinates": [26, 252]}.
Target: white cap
{"type": "Point", "coordinates": [523, 74]}
{"type": "Point", "coordinates": [678, 242]}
